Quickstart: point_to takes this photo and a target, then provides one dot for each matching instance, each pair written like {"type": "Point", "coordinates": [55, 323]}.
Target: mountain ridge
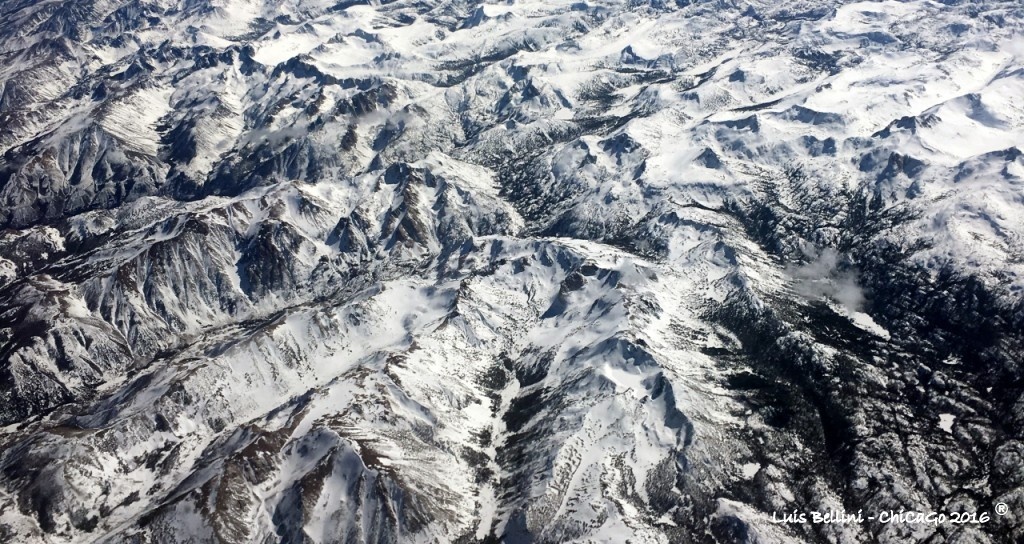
{"type": "Point", "coordinates": [521, 272]}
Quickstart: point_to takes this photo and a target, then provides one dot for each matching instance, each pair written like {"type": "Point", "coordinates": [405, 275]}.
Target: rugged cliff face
{"type": "Point", "coordinates": [550, 271]}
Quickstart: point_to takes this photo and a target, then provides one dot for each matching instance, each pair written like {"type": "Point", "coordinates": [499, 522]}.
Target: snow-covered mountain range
{"type": "Point", "coordinates": [537, 271]}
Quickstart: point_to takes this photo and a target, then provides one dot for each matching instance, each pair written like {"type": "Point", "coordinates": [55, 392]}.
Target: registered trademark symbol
{"type": "Point", "coordinates": [1002, 509]}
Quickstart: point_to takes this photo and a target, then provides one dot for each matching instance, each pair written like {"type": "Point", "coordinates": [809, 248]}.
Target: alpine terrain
{"type": "Point", "coordinates": [542, 271]}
